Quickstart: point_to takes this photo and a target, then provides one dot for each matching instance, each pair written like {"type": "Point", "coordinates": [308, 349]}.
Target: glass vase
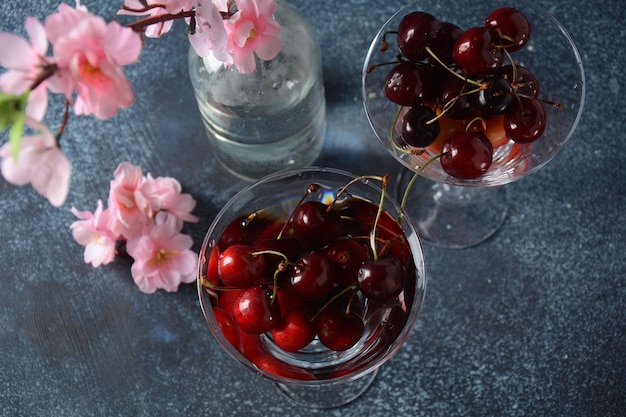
{"type": "Point", "coordinates": [273, 118]}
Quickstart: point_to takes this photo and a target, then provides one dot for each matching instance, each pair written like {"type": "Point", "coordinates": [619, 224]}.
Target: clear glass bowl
{"type": "Point", "coordinates": [317, 376]}
{"type": "Point", "coordinates": [445, 214]}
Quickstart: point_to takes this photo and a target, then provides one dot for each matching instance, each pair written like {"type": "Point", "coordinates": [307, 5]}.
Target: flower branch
{"type": "Point", "coordinates": [82, 57]}
{"type": "Point", "coordinates": [89, 56]}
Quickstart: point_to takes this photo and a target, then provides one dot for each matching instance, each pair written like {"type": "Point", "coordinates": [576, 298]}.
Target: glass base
{"type": "Point", "coordinates": [328, 395]}
{"type": "Point", "coordinates": [453, 217]}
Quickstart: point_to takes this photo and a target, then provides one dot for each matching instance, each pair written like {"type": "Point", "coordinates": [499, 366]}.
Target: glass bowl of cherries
{"type": "Point", "coordinates": [312, 278]}
{"type": "Point", "coordinates": [472, 95]}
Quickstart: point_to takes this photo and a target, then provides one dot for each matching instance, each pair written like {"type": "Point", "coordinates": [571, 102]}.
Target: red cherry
{"type": "Point", "coordinates": [496, 98]}
{"type": "Point", "coordinates": [416, 31]}
{"type": "Point", "coordinates": [454, 88]}
{"type": "Point", "coordinates": [525, 83]}
{"type": "Point", "coordinates": [404, 85]}
{"type": "Point", "coordinates": [337, 329]}
{"type": "Point", "coordinates": [212, 272]}
{"type": "Point", "coordinates": [443, 43]}
{"type": "Point", "coordinates": [525, 121]}
{"type": "Point", "coordinates": [238, 267]}
{"type": "Point", "coordinates": [291, 247]}
{"type": "Point", "coordinates": [364, 212]}
{"type": "Point", "coordinates": [288, 300]}
{"type": "Point", "coordinates": [226, 298]}
{"type": "Point", "coordinates": [419, 126]}
{"type": "Point", "coordinates": [394, 324]}
{"type": "Point", "coordinates": [510, 27]}
{"type": "Point", "coordinates": [227, 326]}
{"type": "Point", "coordinates": [315, 223]}
{"type": "Point", "coordinates": [312, 276]}
{"type": "Point", "coordinates": [253, 310]}
{"type": "Point", "coordinates": [381, 280]}
{"type": "Point", "coordinates": [466, 155]}
{"type": "Point", "coordinates": [274, 366]}
{"type": "Point", "coordinates": [243, 230]}
{"type": "Point", "coordinates": [346, 255]}
{"type": "Point", "coordinates": [294, 331]}
{"type": "Point", "coordinates": [251, 345]}
{"type": "Point", "coordinates": [475, 54]}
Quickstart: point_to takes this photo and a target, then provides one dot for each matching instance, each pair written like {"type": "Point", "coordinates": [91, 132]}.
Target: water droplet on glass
{"type": "Point", "coordinates": [278, 82]}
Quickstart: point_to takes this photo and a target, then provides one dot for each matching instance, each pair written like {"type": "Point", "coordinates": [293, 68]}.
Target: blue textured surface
{"type": "Point", "coordinates": [530, 323]}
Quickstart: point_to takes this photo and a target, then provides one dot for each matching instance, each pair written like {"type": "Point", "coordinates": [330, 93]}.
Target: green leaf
{"type": "Point", "coordinates": [13, 116]}
{"type": "Point", "coordinates": [16, 133]}
{"type": "Point", "coordinates": [7, 111]}
{"type": "Point", "coordinates": [7, 97]}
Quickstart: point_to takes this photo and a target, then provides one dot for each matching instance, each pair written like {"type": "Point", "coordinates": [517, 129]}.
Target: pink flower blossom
{"type": "Point", "coordinates": [127, 205]}
{"type": "Point", "coordinates": [24, 63]}
{"type": "Point", "coordinates": [41, 163]}
{"type": "Point", "coordinates": [210, 34]}
{"type": "Point", "coordinates": [92, 232]}
{"type": "Point", "coordinates": [163, 259]}
{"type": "Point", "coordinates": [164, 198]}
{"type": "Point", "coordinates": [253, 30]}
{"type": "Point", "coordinates": [90, 54]}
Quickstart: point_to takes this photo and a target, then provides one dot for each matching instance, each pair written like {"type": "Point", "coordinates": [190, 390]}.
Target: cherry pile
{"type": "Point", "coordinates": [316, 277]}
{"type": "Point", "coordinates": [461, 93]}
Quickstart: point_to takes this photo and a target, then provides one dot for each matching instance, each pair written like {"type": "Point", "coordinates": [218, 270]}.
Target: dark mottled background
{"type": "Point", "coordinates": [530, 323]}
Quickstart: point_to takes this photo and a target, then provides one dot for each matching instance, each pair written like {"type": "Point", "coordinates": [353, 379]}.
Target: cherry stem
{"type": "Point", "coordinates": [384, 180]}
{"type": "Point", "coordinates": [279, 269]}
{"type": "Point", "coordinates": [456, 74]}
{"type": "Point", "coordinates": [349, 304]}
{"type": "Point", "coordinates": [271, 252]}
{"type": "Point", "coordinates": [377, 219]}
{"type": "Point", "coordinates": [384, 45]}
{"type": "Point", "coordinates": [387, 244]}
{"type": "Point", "coordinates": [357, 179]}
{"type": "Point", "coordinates": [311, 189]}
{"type": "Point", "coordinates": [476, 119]}
{"type": "Point", "coordinates": [383, 64]}
{"type": "Point", "coordinates": [48, 71]}
{"type": "Point", "coordinates": [393, 128]}
{"type": "Point", "coordinates": [554, 104]}
{"type": "Point", "coordinates": [329, 302]}
{"type": "Point", "coordinates": [413, 178]}
{"type": "Point", "coordinates": [210, 286]}
{"type": "Point", "coordinates": [66, 117]}
{"type": "Point", "coordinates": [505, 37]}
{"type": "Point", "coordinates": [410, 151]}
{"type": "Point", "coordinates": [451, 103]}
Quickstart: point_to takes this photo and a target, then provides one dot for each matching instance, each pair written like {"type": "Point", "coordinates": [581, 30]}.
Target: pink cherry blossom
{"type": "Point", "coordinates": [24, 63]}
{"type": "Point", "coordinates": [253, 30]}
{"type": "Point", "coordinates": [164, 197]}
{"type": "Point", "coordinates": [162, 258]}
{"type": "Point", "coordinates": [127, 205]}
{"type": "Point", "coordinates": [91, 231]}
{"type": "Point", "coordinates": [209, 36]}
{"type": "Point", "coordinates": [40, 162]}
{"type": "Point", "coordinates": [90, 54]}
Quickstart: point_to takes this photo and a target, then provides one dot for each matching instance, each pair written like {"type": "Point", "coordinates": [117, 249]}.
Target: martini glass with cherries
{"type": "Point", "coordinates": [312, 278]}
{"type": "Point", "coordinates": [472, 96]}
